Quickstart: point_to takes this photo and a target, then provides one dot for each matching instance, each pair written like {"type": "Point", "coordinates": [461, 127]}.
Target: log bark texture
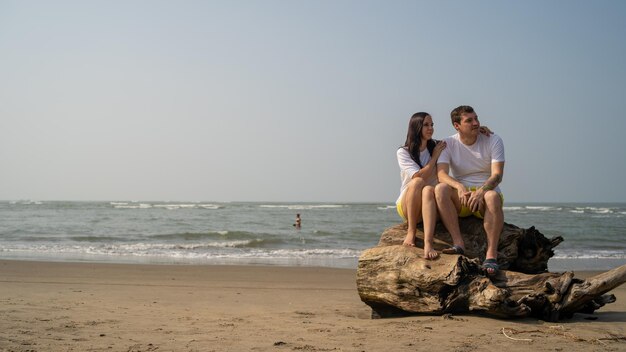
{"type": "Point", "coordinates": [396, 280]}
{"type": "Point", "coordinates": [523, 250]}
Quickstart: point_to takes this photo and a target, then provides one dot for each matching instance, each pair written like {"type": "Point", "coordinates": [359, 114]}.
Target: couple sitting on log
{"type": "Point", "coordinates": [475, 158]}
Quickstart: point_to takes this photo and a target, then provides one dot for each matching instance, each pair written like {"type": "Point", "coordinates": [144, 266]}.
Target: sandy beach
{"type": "Point", "coordinates": [53, 306]}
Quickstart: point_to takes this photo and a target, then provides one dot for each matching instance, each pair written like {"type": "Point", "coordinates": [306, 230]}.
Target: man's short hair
{"type": "Point", "coordinates": [457, 113]}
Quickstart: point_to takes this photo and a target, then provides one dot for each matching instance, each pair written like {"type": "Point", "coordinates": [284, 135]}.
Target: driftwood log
{"type": "Point", "coordinates": [523, 250]}
{"type": "Point", "coordinates": [396, 280]}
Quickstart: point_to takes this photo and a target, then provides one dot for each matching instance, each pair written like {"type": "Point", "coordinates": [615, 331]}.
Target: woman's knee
{"type": "Point", "coordinates": [417, 183]}
{"type": "Point", "coordinates": [428, 192]}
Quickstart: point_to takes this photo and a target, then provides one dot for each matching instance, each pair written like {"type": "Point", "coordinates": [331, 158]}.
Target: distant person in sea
{"type": "Point", "coordinates": [298, 223]}
{"type": "Point", "coordinates": [477, 165]}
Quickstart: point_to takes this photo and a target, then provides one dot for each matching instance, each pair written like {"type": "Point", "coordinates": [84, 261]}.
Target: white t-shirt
{"type": "Point", "coordinates": [471, 164]}
{"type": "Point", "coordinates": [408, 168]}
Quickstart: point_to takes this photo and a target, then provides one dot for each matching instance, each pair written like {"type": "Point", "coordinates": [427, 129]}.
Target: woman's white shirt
{"type": "Point", "coordinates": [408, 168]}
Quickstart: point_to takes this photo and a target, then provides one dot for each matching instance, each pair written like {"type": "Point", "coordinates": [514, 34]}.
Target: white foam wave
{"type": "Point", "coordinates": [388, 207]}
{"type": "Point", "coordinates": [126, 206]}
{"type": "Point", "coordinates": [229, 249]}
{"type": "Point", "coordinates": [589, 254]}
{"type": "Point", "coordinates": [542, 208]}
{"type": "Point", "coordinates": [597, 210]}
{"type": "Point", "coordinates": [602, 211]}
{"type": "Point", "coordinates": [25, 202]}
{"type": "Point", "coordinates": [303, 206]}
{"type": "Point", "coordinates": [172, 206]}
{"type": "Point", "coordinates": [512, 208]}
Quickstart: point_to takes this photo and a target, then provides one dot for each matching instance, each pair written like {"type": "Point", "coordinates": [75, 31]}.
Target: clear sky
{"type": "Point", "coordinates": [303, 100]}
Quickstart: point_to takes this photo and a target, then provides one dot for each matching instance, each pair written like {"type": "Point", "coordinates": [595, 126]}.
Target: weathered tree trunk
{"type": "Point", "coordinates": [396, 280]}
{"type": "Point", "coordinates": [523, 250]}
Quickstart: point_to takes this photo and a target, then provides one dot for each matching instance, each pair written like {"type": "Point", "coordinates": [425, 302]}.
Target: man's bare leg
{"type": "Point", "coordinates": [494, 222]}
{"type": "Point", "coordinates": [449, 205]}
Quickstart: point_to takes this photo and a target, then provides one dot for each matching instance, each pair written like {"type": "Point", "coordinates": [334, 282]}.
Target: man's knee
{"type": "Point", "coordinates": [442, 191]}
{"type": "Point", "coordinates": [493, 201]}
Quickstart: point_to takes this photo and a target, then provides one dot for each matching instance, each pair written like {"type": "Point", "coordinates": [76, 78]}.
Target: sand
{"type": "Point", "coordinates": [50, 306]}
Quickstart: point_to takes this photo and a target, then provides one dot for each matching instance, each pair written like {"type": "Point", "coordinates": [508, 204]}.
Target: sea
{"type": "Point", "coordinates": [263, 233]}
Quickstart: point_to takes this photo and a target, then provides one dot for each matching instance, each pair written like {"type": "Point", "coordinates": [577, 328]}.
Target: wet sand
{"type": "Point", "coordinates": [51, 306]}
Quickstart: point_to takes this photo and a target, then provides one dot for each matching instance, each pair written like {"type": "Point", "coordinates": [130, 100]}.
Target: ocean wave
{"type": "Point", "coordinates": [610, 211]}
{"type": "Point", "coordinates": [169, 206]}
{"type": "Point", "coordinates": [231, 249]}
{"type": "Point", "coordinates": [589, 254]}
{"type": "Point", "coordinates": [324, 233]}
{"type": "Point", "coordinates": [596, 210]}
{"type": "Point", "coordinates": [190, 236]}
{"type": "Point", "coordinates": [93, 239]}
{"type": "Point", "coordinates": [132, 206]}
{"type": "Point", "coordinates": [388, 207]}
{"type": "Point", "coordinates": [303, 206]}
{"type": "Point", "coordinates": [25, 202]}
{"type": "Point", "coordinates": [543, 208]}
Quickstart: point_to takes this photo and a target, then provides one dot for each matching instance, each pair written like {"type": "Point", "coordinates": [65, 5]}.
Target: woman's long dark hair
{"type": "Point", "coordinates": [414, 137]}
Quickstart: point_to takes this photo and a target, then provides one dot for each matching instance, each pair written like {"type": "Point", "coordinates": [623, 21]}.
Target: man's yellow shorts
{"type": "Point", "coordinates": [465, 211]}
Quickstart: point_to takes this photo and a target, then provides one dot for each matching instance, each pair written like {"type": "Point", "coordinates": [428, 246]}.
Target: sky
{"type": "Point", "coordinates": [303, 101]}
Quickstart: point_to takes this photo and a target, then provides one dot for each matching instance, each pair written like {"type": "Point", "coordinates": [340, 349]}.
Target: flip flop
{"type": "Point", "coordinates": [492, 264]}
{"type": "Point", "coordinates": [454, 250]}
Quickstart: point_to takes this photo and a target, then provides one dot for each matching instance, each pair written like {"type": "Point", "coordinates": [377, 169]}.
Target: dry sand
{"type": "Point", "coordinates": [115, 307]}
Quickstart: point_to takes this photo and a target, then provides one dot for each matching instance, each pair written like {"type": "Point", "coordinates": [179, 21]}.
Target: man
{"type": "Point", "coordinates": [477, 165]}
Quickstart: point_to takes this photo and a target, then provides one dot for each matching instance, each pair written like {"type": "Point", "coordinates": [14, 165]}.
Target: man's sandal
{"type": "Point", "coordinates": [454, 250]}
{"type": "Point", "coordinates": [492, 264]}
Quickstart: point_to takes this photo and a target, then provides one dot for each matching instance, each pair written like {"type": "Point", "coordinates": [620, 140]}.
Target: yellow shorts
{"type": "Point", "coordinates": [400, 212]}
{"type": "Point", "coordinates": [465, 211]}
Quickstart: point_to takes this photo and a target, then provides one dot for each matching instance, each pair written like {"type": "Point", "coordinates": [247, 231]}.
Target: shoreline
{"type": "Point", "coordinates": [554, 264]}
{"type": "Point", "coordinates": [50, 306]}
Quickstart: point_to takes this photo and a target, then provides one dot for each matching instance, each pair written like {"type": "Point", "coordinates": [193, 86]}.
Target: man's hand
{"type": "Point", "coordinates": [464, 196]}
{"type": "Point", "coordinates": [476, 200]}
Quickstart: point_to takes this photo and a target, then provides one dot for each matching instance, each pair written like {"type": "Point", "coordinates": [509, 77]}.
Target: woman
{"type": "Point", "coordinates": [418, 169]}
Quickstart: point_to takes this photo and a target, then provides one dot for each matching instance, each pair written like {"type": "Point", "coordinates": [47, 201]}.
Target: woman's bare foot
{"type": "Point", "coordinates": [409, 240]}
{"type": "Point", "coordinates": [429, 252]}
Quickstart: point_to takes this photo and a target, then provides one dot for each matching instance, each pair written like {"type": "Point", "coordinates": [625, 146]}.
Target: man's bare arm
{"type": "Point", "coordinates": [477, 197]}
{"type": "Point", "coordinates": [497, 171]}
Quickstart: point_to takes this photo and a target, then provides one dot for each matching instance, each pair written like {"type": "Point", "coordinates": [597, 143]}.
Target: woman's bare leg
{"type": "Point", "coordinates": [412, 208]}
{"type": "Point", "coordinates": [429, 216]}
